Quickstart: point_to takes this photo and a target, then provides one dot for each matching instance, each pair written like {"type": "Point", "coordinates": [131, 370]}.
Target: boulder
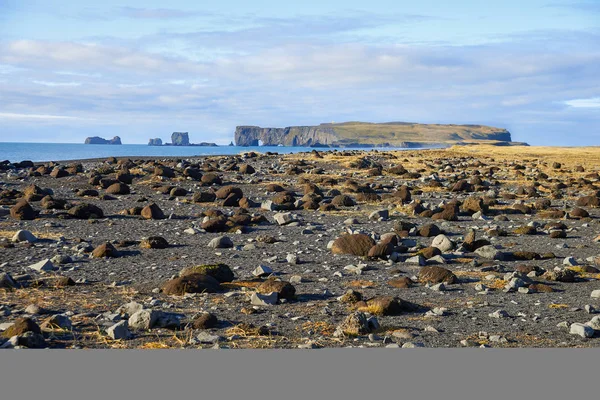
{"type": "Point", "coordinates": [356, 244]}
{"type": "Point", "coordinates": [435, 274]}
{"type": "Point", "coordinates": [192, 283]}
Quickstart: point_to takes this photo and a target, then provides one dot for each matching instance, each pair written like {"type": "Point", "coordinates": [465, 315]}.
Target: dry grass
{"type": "Point", "coordinates": [361, 283]}
{"type": "Point", "coordinates": [39, 234]}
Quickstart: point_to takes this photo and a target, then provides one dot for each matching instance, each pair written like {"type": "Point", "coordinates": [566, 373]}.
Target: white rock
{"type": "Point", "coordinates": [595, 294]}
{"type": "Point", "coordinates": [262, 270]}
{"type": "Point", "coordinates": [258, 299]}
{"type": "Point", "coordinates": [221, 242]}
{"type": "Point", "coordinates": [443, 243]}
{"type": "Point", "coordinates": [120, 330]}
{"type": "Point", "coordinates": [44, 265]}
{"type": "Point", "coordinates": [143, 319]}
{"type": "Point", "coordinates": [581, 330]}
{"type": "Point", "coordinates": [284, 218]}
{"type": "Point", "coordinates": [24, 236]}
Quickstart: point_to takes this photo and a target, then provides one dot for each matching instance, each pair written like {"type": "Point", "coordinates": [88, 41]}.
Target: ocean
{"type": "Point", "coordinates": [15, 152]}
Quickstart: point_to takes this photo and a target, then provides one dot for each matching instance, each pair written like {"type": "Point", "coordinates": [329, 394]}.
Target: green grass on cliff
{"type": "Point", "coordinates": [397, 132]}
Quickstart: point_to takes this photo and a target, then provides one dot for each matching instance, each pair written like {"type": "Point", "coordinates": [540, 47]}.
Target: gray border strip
{"type": "Point", "coordinates": [302, 374]}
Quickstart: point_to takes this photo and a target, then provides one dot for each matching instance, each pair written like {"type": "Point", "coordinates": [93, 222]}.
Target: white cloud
{"type": "Point", "coordinates": [53, 84]}
{"type": "Point", "coordinates": [4, 115]}
{"type": "Point", "coordinates": [593, 102]}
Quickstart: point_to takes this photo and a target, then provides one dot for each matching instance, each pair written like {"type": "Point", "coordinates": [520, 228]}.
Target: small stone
{"type": "Point", "coordinates": [119, 331]}
{"type": "Point", "coordinates": [258, 299]}
{"type": "Point", "coordinates": [262, 270]}
{"type": "Point", "coordinates": [143, 319]}
{"type": "Point", "coordinates": [221, 242]}
{"type": "Point", "coordinates": [293, 259]}
{"type": "Point", "coordinates": [582, 330]}
{"type": "Point", "coordinates": [24, 236]}
{"type": "Point", "coordinates": [44, 265]}
{"type": "Point", "coordinates": [570, 261]}
{"type": "Point", "coordinates": [595, 294]}
{"type": "Point", "coordinates": [499, 314]}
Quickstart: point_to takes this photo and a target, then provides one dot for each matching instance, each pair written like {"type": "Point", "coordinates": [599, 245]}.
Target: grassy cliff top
{"type": "Point", "coordinates": [412, 132]}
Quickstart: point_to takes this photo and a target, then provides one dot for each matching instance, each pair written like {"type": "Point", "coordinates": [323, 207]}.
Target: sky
{"type": "Point", "coordinates": [144, 69]}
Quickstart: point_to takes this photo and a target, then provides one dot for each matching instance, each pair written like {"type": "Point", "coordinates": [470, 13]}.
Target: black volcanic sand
{"type": "Point", "coordinates": [309, 318]}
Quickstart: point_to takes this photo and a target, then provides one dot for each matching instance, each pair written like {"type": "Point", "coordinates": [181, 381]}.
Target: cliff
{"type": "Point", "coordinates": [362, 134]}
{"type": "Point", "coordinates": [180, 139]}
{"type": "Point", "coordinates": [155, 142]}
{"type": "Point", "coordinates": [99, 140]}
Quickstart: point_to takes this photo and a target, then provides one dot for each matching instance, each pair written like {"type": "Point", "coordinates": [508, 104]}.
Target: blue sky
{"type": "Point", "coordinates": [142, 69]}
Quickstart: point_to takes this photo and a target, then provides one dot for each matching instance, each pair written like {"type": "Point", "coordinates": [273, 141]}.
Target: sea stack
{"type": "Point", "coordinates": [180, 139]}
{"type": "Point", "coordinates": [99, 140]}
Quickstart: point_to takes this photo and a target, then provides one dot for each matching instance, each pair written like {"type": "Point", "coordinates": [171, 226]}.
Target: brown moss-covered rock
{"type": "Point", "coordinates": [64, 281]}
{"type": "Point", "coordinates": [178, 192]}
{"type": "Point", "coordinates": [429, 230]}
{"type": "Point", "coordinates": [435, 274]}
{"type": "Point", "coordinates": [118, 188]}
{"type": "Point", "coordinates": [383, 305]}
{"type": "Point", "coordinates": [381, 250]}
{"type": "Point", "coordinates": [21, 326]}
{"type": "Point", "coordinates": [192, 283]}
{"type": "Point", "coordinates": [86, 211]}
{"type": "Point", "coordinates": [205, 321]}
{"type": "Point", "coordinates": [284, 290]}
{"type": "Point", "coordinates": [541, 288]}
{"type": "Point", "coordinates": [154, 242]}
{"type": "Point", "coordinates": [211, 178]}
{"type": "Point", "coordinates": [429, 252]}
{"type": "Point", "coordinates": [105, 250]}
{"type": "Point", "coordinates": [525, 230]}
{"type": "Point", "coordinates": [152, 211]}
{"type": "Point", "coordinates": [22, 211]}
{"type": "Point", "coordinates": [401, 283]}
{"type": "Point", "coordinates": [204, 197]}
{"type": "Point", "coordinates": [358, 245]}
{"type": "Point", "coordinates": [226, 191]}
{"type": "Point", "coordinates": [351, 297]}
{"type": "Point", "coordinates": [525, 256]}
{"type": "Point", "coordinates": [221, 272]}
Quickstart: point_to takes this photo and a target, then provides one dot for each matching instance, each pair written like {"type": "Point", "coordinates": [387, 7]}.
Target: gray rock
{"type": "Point", "coordinates": [499, 314]}
{"type": "Point", "coordinates": [570, 261]}
{"type": "Point", "coordinates": [418, 260]}
{"type": "Point", "coordinates": [284, 218]}
{"type": "Point", "coordinates": [206, 338]}
{"type": "Point", "coordinates": [262, 270]}
{"type": "Point", "coordinates": [443, 243]}
{"type": "Point", "coordinates": [119, 331]}
{"type": "Point", "coordinates": [292, 259]}
{"type": "Point", "coordinates": [595, 294]}
{"type": "Point", "coordinates": [7, 281]}
{"type": "Point", "coordinates": [296, 279]}
{"type": "Point", "coordinates": [44, 265]}
{"type": "Point", "coordinates": [24, 236]}
{"type": "Point", "coordinates": [581, 330]}
{"type": "Point", "coordinates": [61, 259]}
{"type": "Point", "coordinates": [129, 308]}
{"type": "Point", "coordinates": [221, 242]}
{"type": "Point", "coordinates": [143, 319]}
{"type": "Point", "coordinates": [489, 252]}
{"type": "Point", "coordinates": [594, 323]}
{"type": "Point", "coordinates": [258, 299]}
{"type": "Point", "coordinates": [376, 215]}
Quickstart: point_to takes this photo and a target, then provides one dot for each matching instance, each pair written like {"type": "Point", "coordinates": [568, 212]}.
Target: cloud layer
{"type": "Point", "coordinates": [305, 70]}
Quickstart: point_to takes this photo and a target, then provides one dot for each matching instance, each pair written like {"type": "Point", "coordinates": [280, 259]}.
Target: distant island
{"type": "Point", "coordinates": [99, 140]}
{"type": "Point", "coordinates": [365, 134]}
{"type": "Point", "coordinates": [178, 139]}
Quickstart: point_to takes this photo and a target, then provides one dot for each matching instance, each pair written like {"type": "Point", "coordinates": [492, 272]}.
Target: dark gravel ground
{"type": "Point", "coordinates": [312, 316]}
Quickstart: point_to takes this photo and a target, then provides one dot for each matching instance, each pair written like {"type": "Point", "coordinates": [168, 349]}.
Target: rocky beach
{"type": "Point", "coordinates": [470, 246]}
